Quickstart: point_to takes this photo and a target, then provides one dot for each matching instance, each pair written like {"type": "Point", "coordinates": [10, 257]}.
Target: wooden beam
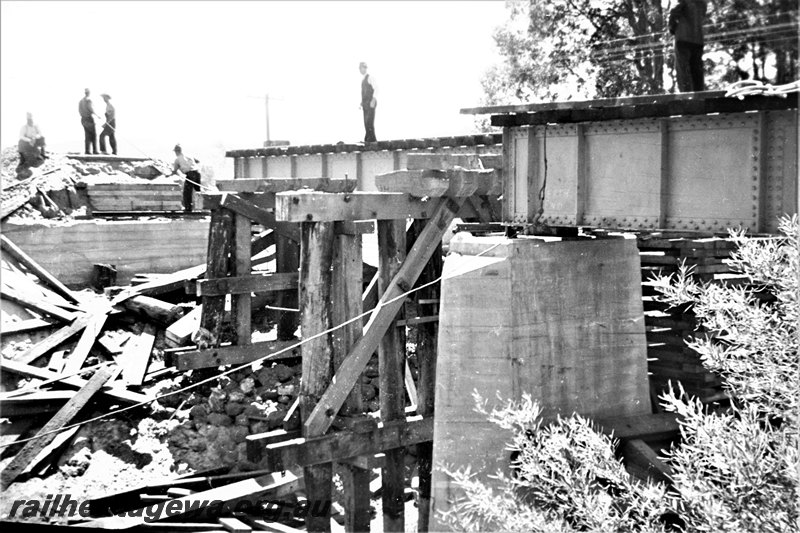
{"type": "Point", "coordinates": [136, 356]}
{"type": "Point", "coordinates": [391, 362]}
{"type": "Point", "coordinates": [321, 207]}
{"type": "Point", "coordinates": [287, 261]}
{"type": "Point", "coordinates": [383, 316]}
{"type": "Point", "coordinates": [34, 403]}
{"type": "Point", "coordinates": [648, 427]}
{"type": "Point", "coordinates": [61, 419]}
{"type": "Point", "coordinates": [316, 261]}
{"type": "Point", "coordinates": [94, 327]}
{"type": "Point", "coordinates": [286, 184]}
{"type": "Point", "coordinates": [346, 300]}
{"type": "Point", "coordinates": [240, 306]}
{"type": "Point", "coordinates": [246, 284]}
{"type": "Point", "coordinates": [342, 445]}
{"type": "Point", "coordinates": [25, 326]}
{"type": "Point", "coordinates": [426, 338]}
{"type": "Point", "coordinates": [232, 355]}
{"type": "Point", "coordinates": [164, 313]}
{"type": "Point", "coordinates": [17, 253]}
{"type": "Point", "coordinates": [37, 304]}
{"type": "Point", "coordinates": [220, 244]}
{"type": "Point", "coordinates": [113, 391]}
{"type": "Point", "coordinates": [163, 284]}
{"type": "Point", "coordinates": [179, 333]}
{"type": "Point", "coordinates": [452, 182]}
{"type": "Point", "coordinates": [53, 341]}
{"type": "Point", "coordinates": [639, 455]}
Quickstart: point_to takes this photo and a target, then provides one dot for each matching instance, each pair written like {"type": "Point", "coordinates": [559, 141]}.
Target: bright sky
{"type": "Point", "coordinates": [196, 72]}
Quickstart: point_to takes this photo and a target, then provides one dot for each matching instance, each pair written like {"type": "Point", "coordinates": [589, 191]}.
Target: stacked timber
{"type": "Point", "coordinates": [670, 330]}
{"type": "Point", "coordinates": [559, 319]}
{"type": "Point", "coordinates": [135, 196]}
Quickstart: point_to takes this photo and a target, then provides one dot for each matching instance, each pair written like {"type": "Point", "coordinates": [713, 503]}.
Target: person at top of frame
{"type": "Point", "coordinates": [369, 102]}
{"type": "Point", "coordinates": [686, 24]}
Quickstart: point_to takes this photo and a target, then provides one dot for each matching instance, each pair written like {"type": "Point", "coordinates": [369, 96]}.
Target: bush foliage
{"type": "Point", "coordinates": [734, 469]}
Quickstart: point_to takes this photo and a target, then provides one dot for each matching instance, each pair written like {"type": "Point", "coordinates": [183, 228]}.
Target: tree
{"type": "Point", "coordinates": [578, 49]}
{"type": "Point", "coordinates": [733, 470]}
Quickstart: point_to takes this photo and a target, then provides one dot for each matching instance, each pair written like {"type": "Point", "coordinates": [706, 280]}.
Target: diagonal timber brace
{"type": "Point", "coordinates": [382, 317]}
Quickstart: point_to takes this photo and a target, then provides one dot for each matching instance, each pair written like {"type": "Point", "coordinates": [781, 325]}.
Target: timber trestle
{"type": "Point", "coordinates": [316, 226]}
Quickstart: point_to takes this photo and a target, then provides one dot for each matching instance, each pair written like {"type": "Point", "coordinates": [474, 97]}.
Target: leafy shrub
{"type": "Point", "coordinates": [736, 469]}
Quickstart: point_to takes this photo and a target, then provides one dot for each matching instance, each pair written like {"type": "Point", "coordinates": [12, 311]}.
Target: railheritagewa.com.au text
{"type": "Point", "coordinates": [64, 506]}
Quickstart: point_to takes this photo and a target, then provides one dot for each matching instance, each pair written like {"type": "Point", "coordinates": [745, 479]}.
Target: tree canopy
{"type": "Point", "coordinates": [580, 49]}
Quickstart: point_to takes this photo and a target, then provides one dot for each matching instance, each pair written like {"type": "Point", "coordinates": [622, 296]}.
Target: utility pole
{"type": "Point", "coordinates": [266, 102]}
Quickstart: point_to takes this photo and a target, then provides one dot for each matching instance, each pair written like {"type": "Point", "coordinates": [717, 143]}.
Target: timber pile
{"type": "Point", "coordinates": [669, 330]}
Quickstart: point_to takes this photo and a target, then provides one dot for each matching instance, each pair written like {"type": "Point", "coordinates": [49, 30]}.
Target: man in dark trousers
{"type": "Point", "coordinates": [686, 24]}
{"type": "Point", "coordinates": [110, 127]}
{"type": "Point", "coordinates": [368, 103]}
{"type": "Point", "coordinates": [191, 176]}
{"type": "Point", "coordinates": [87, 121]}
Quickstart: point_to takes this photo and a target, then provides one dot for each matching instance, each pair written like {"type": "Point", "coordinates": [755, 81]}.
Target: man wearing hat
{"type": "Point", "coordinates": [110, 127]}
{"type": "Point", "coordinates": [368, 103]}
{"type": "Point", "coordinates": [191, 180]}
{"type": "Point", "coordinates": [87, 121]}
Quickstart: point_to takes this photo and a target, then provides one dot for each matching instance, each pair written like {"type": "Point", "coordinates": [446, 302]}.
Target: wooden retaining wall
{"type": "Point", "coordinates": [68, 250]}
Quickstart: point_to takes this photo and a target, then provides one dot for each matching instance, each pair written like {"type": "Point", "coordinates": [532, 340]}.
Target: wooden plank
{"type": "Point", "coordinates": [276, 485]}
{"type": "Point", "coordinates": [391, 362]}
{"type": "Point", "coordinates": [220, 244]}
{"type": "Point", "coordinates": [24, 326]}
{"type": "Point", "coordinates": [647, 427]}
{"type": "Point", "coordinates": [81, 351]}
{"type": "Point", "coordinates": [345, 444]}
{"type": "Point", "coordinates": [57, 360]}
{"type": "Point", "coordinates": [136, 356]}
{"type": "Point", "coordinates": [34, 403]}
{"type": "Point", "coordinates": [232, 355]}
{"type": "Point", "coordinates": [382, 318]}
{"type": "Point", "coordinates": [53, 341]}
{"type": "Point", "coordinates": [637, 452]}
{"type": "Point", "coordinates": [180, 332]}
{"type": "Point", "coordinates": [61, 418]}
{"type": "Point", "coordinates": [17, 253]}
{"type": "Point", "coordinates": [241, 302]}
{"type": "Point", "coordinates": [234, 525]}
{"type": "Point", "coordinates": [452, 182]}
{"type": "Point", "coordinates": [316, 261]}
{"type": "Point", "coordinates": [346, 299]}
{"type": "Point", "coordinates": [257, 213]}
{"type": "Point", "coordinates": [37, 304]}
{"type": "Point", "coordinates": [168, 283]}
{"type": "Point", "coordinates": [321, 207]}
{"type": "Point", "coordinates": [267, 282]}
{"type": "Point", "coordinates": [286, 184]}
{"type": "Point", "coordinates": [112, 391]}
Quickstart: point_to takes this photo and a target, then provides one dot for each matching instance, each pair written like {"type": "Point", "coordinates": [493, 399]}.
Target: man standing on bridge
{"type": "Point", "coordinates": [369, 102]}
{"type": "Point", "coordinates": [686, 24]}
